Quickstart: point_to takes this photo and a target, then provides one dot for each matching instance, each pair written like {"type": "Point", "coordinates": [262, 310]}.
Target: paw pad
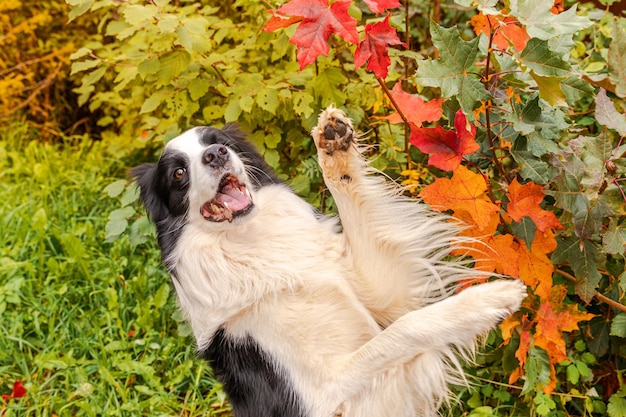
{"type": "Point", "coordinates": [337, 136]}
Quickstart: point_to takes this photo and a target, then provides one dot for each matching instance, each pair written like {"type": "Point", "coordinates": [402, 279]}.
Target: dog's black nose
{"type": "Point", "coordinates": [215, 156]}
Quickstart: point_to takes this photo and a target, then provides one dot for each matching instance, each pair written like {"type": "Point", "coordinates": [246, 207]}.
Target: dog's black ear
{"type": "Point", "coordinates": [233, 131]}
{"type": "Point", "coordinates": [146, 177]}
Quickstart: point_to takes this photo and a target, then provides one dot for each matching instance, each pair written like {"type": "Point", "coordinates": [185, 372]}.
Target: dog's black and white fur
{"type": "Point", "coordinates": [297, 318]}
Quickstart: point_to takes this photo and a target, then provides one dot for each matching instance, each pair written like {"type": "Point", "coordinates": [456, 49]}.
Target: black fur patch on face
{"type": "Point", "coordinates": [163, 192]}
{"type": "Point", "coordinates": [253, 384]}
{"type": "Point", "coordinates": [259, 172]}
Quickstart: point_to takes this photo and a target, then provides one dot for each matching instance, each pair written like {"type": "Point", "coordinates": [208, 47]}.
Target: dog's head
{"type": "Point", "coordinates": [205, 175]}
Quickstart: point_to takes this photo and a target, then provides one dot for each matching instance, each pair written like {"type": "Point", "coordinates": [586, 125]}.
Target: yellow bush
{"type": "Point", "coordinates": [35, 44]}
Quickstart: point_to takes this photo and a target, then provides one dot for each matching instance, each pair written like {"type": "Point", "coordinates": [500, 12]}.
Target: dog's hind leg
{"type": "Point", "coordinates": [397, 245]}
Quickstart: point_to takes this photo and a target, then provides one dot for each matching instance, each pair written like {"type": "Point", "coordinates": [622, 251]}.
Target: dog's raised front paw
{"type": "Point", "coordinates": [334, 131]}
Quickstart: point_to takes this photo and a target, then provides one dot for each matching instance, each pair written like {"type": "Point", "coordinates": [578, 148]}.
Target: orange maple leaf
{"type": "Point", "coordinates": [534, 265]}
{"type": "Point", "coordinates": [464, 192]}
{"type": "Point", "coordinates": [506, 30]}
{"type": "Point", "coordinates": [279, 22]}
{"type": "Point", "coordinates": [524, 201]}
{"type": "Point", "coordinates": [553, 318]}
{"type": "Point", "coordinates": [416, 110]}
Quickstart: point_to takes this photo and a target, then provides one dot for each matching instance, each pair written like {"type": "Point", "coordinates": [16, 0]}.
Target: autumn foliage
{"type": "Point", "coordinates": [533, 204]}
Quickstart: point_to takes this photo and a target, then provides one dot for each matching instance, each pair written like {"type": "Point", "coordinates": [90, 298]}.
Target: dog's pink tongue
{"type": "Point", "coordinates": [234, 198]}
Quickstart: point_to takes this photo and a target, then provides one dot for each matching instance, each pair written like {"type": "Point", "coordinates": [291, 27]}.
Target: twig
{"type": "Point", "coordinates": [516, 387]}
{"type": "Point", "coordinates": [596, 294]}
{"type": "Point", "coordinates": [488, 106]}
{"type": "Point", "coordinates": [404, 119]}
{"type": "Point", "coordinates": [43, 84]}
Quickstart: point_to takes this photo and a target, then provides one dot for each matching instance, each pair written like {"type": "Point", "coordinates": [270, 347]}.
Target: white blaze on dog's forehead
{"type": "Point", "coordinates": [187, 142]}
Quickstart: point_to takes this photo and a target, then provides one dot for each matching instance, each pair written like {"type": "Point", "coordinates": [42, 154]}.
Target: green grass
{"type": "Point", "coordinates": [89, 327]}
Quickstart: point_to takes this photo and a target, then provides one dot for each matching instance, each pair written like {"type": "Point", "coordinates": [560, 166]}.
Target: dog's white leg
{"type": "Point", "coordinates": [456, 321]}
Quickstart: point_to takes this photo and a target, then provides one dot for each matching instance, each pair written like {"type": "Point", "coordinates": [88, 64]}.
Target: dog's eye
{"type": "Point", "coordinates": [180, 173]}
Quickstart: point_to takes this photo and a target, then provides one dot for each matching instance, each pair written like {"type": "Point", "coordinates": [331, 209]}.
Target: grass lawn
{"type": "Point", "coordinates": [89, 327]}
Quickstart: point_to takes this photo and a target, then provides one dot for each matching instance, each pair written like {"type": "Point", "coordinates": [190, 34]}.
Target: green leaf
{"type": "Point", "coordinates": [583, 257]}
{"type": "Point", "coordinates": [303, 104]}
{"type": "Point", "coordinates": [537, 369]}
{"type": "Point", "coordinates": [171, 65]}
{"type": "Point", "coordinates": [525, 230]}
{"type": "Point", "coordinates": [541, 23]}
{"type": "Point", "coordinates": [115, 188]}
{"type": "Point", "coordinates": [141, 231]}
{"type": "Point", "coordinates": [122, 213]}
{"type": "Point", "coordinates": [162, 295]}
{"type": "Point", "coordinates": [267, 99]}
{"type": "Point", "coordinates": [232, 111]}
{"type": "Point", "coordinates": [40, 220]}
{"type": "Point", "coordinates": [94, 76]}
{"type": "Point", "coordinates": [114, 228]}
{"type": "Point", "coordinates": [79, 7]}
{"type": "Point", "coordinates": [599, 329]}
{"type": "Point", "coordinates": [567, 188]}
{"type": "Point", "coordinates": [572, 374]}
{"type": "Point", "coordinates": [542, 61]}
{"type": "Point", "coordinates": [541, 126]}
{"type": "Point", "coordinates": [588, 223]}
{"type": "Point", "coordinates": [125, 76]}
{"type": "Point", "coordinates": [576, 89]}
{"type": "Point", "coordinates": [130, 196]}
{"type": "Point", "coordinates": [148, 67]}
{"type": "Point", "coordinates": [550, 89]}
{"type": "Point", "coordinates": [213, 112]}
{"type": "Point", "coordinates": [246, 103]}
{"type": "Point", "coordinates": [453, 72]}
{"type": "Point", "coordinates": [614, 239]}
{"type": "Point", "coordinates": [617, 59]}
{"type": "Point", "coordinates": [593, 151]}
{"type": "Point", "coordinates": [617, 406]}
{"type": "Point", "coordinates": [84, 65]}
{"type": "Point", "coordinates": [618, 325]}
{"type": "Point", "coordinates": [154, 101]}
{"type": "Point", "coordinates": [533, 168]}
{"type": "Point", "coordinates": [607, 114]}
{"type": "Point", "coordinates": [301, 185]}
{"type": "Point", "coordinates": [327, 86]}
{"type": "Point", "coordinates": [139, 15]}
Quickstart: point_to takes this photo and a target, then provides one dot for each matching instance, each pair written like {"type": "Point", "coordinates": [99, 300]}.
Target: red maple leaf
{"type": "Point", "coordinates": [414, 108]}
{"type": "Point", "coordinates": [524, 201]}
{"type": "Point", "coordinates": [18, 392]}
{"type": "Point", "coordinates": [379, 6]}
{"type": "Point", "coordinates": [446, 147]}
{"type": "Point", "coordinates": [375, 47]}
{"type": "Point", "coordinates": [319, 21]}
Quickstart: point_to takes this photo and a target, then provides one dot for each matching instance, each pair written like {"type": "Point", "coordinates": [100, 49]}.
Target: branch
{"type": "Point", "coordinates": [488, 106]}
{"type": "Point", "coordinates": [404, 119]}
{"type": "Point", "coordinates": [602, 298]}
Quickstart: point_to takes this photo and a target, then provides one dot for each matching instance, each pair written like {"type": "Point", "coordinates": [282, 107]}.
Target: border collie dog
{"type": "Point", "coordinates": [301, 317]}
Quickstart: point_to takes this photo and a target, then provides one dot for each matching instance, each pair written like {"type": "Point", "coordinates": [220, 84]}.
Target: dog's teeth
{"type": "Point", "coordinates": [226, 205]}
{"type": "Point", "coordinates": [215, 207]}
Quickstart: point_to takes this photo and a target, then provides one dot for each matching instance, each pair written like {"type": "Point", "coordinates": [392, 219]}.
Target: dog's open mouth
{"type": "Point", "coordinates": [232, 199]}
